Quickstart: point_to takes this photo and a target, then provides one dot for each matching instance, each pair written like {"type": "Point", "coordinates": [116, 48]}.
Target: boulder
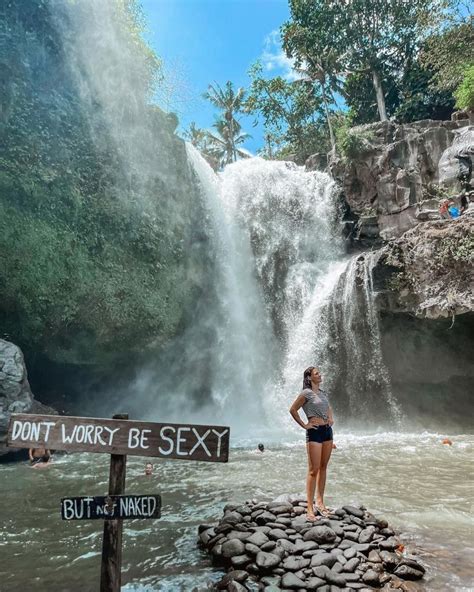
{"type": "Point", "coordinates": [267, 561]}
{"type": "Point", "coordinates": [320, 535]}
{"type": "Point", "coordinates": [15, 392]}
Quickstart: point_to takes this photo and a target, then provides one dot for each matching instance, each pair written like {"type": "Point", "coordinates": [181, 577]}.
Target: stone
{"type": "Point", "coordinates": [371, 578]}
{"type": "Point", "coordinates": [314, 583]}
{"type": "Point", "coordinates": [236, 587]}
{"type": "Point", "coordinates": [267, 560]}
{"type": "Point", "coordinates": [271, 580]}
{"type": "Point", "coordinates": [265, 517]}
{"type": "Point", "coordinates": [280, 508]}
{"type": "Point", "coordinates": [252, 549]}
{"type": "Point", "coordinates": [350, 553]}
{"type": "Point", "coordinates": [374, 557]}
{"type": "Point", "coordinates": [232, 518]}
{"type": "Point", "coordinates": [326, 559]}
{"type": "Point", "coordinates": [329, 576]}
{"type": "Point", "coordinates": [268, 546]}
{"type": "Point", "coordinates": [320, 535]}
{"type": "Point", "coordinates": [353, 511]}
{"type": "Point", "coordinates": [240, 560]}
{"type": "Point", "coordinates": [389, 560]}
{"type": "Point", "coordinates": [352, 564]}
{"type": "Point", "coordinates": [408, 573]}
{"type": "Point", "coordinates": [389, 544]}
{"type": "Point", "coordinates": [277, 533]}
{"type": "Point", "coordinates": [232, 547]}
{"type": "Point", "coordinates": [301, 546]}
{"type": "Point", "coordinates": [367, 534]}
{"type": "Point", "coordinates": [293, 563]}
{"type": "Point", "coordinates": [286, 545]}
{"type": "Point", "coordinates": [291, 581]}
{"type": "Point", "coordinates": [258, 538]}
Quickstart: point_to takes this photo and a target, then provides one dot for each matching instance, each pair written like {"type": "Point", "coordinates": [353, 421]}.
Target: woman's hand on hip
{"type": "Point", "coordinates": [314, 422]}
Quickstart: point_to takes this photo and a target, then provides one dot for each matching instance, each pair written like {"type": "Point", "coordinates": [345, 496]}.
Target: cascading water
{"type": "Point", "coordinates": [243, 342]}
{"type": "Point", "coordinates": [288, 297]}
{"type": "Point", "coordinates": [358, 374]}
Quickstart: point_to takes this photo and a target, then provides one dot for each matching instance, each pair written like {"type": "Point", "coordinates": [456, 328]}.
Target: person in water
{"type": "Point", "coordinates": [319, 437]}
{"type": "Point", "coordinates": [39, 456]}
{"type": "Point", "coordinates": [261, 447]}
{"type": "Point", "coordinates": [149, 469]}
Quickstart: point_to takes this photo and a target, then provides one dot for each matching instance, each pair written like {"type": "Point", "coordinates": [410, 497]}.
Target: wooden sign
{"type": "Point", "coordinates": [119, 436]}
{"type": "Point", "coordinates": [111, 507]}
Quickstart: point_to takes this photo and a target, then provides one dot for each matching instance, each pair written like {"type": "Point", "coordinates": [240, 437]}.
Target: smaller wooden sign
{"type": "Point", "coordinates": [111, 507]}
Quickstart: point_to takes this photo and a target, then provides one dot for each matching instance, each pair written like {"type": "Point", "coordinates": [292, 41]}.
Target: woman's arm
{"type": "Point", "coordinates": [294, 409]}
{"type": "Point", "coordinates": [30, 454]}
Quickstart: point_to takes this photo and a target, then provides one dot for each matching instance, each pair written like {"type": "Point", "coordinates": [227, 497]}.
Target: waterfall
{"type": "Point", "coordinates": [289, 297]}
{"type": "Point", "coordinates": [358, 372]}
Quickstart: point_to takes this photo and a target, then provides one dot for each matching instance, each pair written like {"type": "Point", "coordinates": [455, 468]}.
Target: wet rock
{"type": "Point", "coordinates": [353, 511]}
{"type": "Point", "coordinates": [232, 518]}
{"type": "Point", "coordinates": [408, 572]}
{"type": "Point", "coordinates": [371, 578]}
{"type": "Point", "coordinates": [374, 557]}
{"type": "Point", "coordinates": [389, 544]}
{"type": "Point", "coordinates": [268, 546]}
{"type": "Point", "coordinates": [352, 564]}
{"type": "Point", "coordinates": [350, 553]}
{"type": "Point", "coordinates": [277, 533]}
{"type": "Point", "coordinates": [291, 581]}
{"type": "Point", "coordinates": [314, 582]}
{"type": "Point", "coordinates": [367, 535]}
{"type": "Point", "coordinates": [252, 549]}
{"type": "Point", "coordinates": [320, 535]}
{"type": "Point", "coordinates": [265, 517]}
{"type": "Point", "coordinates": [329, 576]}
{"type": "Point", "coordinates": [232, 547]}
{"type": "Point", "coordinates": [326, 559]}
{"type": "Point", "coordinates": [240, 560]}
{"type": "Point", "coordinates": [389, 560]}
{"type": "Point", "coordinates": [267, 560]}
{"type": "Point", "coordinates": [258, 538]}
{"type": "Point", "coordinates": [236, 587]}
{"type": "Point", "coordinates": [293, 563]}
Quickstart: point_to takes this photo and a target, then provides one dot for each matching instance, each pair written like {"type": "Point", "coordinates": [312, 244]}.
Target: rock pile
{"type": "Point", "coordinates": [273, 547]}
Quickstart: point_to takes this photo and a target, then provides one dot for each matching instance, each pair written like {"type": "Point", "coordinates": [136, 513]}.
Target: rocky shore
{"type": "Point", "coordinates": [272, 547]}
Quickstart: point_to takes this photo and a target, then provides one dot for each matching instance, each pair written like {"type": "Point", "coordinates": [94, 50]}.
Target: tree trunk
{"type": "Point", "coordinates": [326, 109]}
{"type": "Point", "coordinates": [380, 96]}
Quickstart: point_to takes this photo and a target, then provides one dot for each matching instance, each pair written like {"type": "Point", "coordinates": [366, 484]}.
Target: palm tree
{"type": "Point", "coordinates": [229, 101]}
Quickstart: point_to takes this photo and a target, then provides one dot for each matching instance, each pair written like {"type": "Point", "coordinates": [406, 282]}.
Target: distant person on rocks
{"type": "Point", "coordinates": [319, 437]}
{"type": "Point", "coordinates": [261, 447]}
{"type": "Point", "coordinates": [149, 469]}
{"type": "Point", "coordinates": [453, 210]}
{"type": "Point", "coordinates": [39, 457]}
{"type": "Point", "coordinates": [443, 209]}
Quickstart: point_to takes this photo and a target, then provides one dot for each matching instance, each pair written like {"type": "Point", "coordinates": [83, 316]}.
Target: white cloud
{"type": "Point", "coordinates": [274, 59]}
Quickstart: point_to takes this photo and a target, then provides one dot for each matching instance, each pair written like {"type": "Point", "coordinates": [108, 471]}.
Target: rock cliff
{"type": "Point", "coordinates": [15, 392]}
{"type": "Point", "coordinates": [401, 172]}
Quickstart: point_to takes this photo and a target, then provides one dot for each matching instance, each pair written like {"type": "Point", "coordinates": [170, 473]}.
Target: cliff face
{"type": "Point", "coordinates": [429, 271]}
{"type": "Point", "coordinates": [400, 173]}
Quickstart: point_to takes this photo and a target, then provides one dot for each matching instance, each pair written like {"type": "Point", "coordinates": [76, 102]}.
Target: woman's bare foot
{"type": "Point", "coordinates": [311, 517]}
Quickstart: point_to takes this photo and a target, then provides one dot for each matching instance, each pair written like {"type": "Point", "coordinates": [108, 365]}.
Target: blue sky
{"type": "Point", "coordinates": [202, 41]}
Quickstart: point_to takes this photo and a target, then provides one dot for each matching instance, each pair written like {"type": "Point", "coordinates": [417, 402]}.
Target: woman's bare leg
{"type": "Point", "coordinates": [314, 460]}
{"type": "Point", "coordinates": [326, 449]}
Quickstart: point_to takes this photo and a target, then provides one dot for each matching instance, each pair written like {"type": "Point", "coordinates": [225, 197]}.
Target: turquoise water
{"type": "Point", "coordinates": [424, 488]}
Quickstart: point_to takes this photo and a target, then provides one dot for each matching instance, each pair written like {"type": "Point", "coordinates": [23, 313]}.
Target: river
{"type": "Point", "coordinates": [422, 487]}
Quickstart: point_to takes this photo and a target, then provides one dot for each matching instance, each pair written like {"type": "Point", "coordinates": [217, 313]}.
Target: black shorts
{"type": "Point", "coordinates": [320, 434]}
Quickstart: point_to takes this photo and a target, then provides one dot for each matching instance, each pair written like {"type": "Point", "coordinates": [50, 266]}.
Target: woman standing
{"type": "Point", "coordinates": [319, 437]}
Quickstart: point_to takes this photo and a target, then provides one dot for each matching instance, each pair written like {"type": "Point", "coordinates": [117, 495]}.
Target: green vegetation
{"type": "Point", "coordinates": [465, 92]}
{"type": "Point", "coordinates": [97, 203]}
{"type": "Point", "coordinates": [358, 62]}
{"type": "Point", "coordinates": [353, 142]}
{"type": "Point", "coordinates": [221, 147]}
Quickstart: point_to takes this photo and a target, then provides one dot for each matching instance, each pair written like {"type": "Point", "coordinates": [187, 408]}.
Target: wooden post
{"type": "Point", "coordinates": [111, 568]}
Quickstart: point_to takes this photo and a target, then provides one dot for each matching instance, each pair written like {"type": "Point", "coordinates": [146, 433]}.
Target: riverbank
{"type": "Point", "coordinates": [275, 547]}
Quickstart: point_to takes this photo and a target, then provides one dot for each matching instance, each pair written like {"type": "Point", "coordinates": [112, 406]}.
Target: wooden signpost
{"type": "Point", "coordinates": [118, 437]}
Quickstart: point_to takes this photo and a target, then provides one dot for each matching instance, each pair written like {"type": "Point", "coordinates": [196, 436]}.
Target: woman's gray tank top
{"type": "Point", "coordinates": [316, 404]}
